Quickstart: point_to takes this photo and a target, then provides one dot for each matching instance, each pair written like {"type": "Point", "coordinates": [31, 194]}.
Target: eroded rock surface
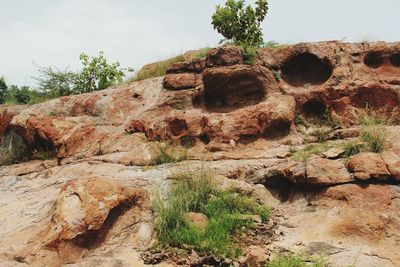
{"type": "Point", "coordinates": [88, 205]}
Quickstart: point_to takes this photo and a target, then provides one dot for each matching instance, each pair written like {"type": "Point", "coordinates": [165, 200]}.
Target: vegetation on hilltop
{"type": "Point", "coordinates": [96, 74]}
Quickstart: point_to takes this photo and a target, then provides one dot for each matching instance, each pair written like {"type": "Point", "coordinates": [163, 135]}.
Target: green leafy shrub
{"type": "Point", "coordinates": [3, 90]}
{"type": "Point", "coordinates": [22, 95]}
{"type": "Point", "coordinates": [195, 192]}
{"type": "Point", "coordinates": [250, 55]}
{"type": "Point", "coordinates": [239, 24]}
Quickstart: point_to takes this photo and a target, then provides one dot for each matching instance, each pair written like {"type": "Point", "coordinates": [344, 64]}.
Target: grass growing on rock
{"type": "Point", "coordinates": [312, 149]}
{"type": "Point", "coordinates": [293, 260]}
{"type": "Point", "coordinates": [169, 154]}
{"type": "Point", "coordinates": [226, 212]}
{"type": "Point", "coordinates": [156, 69]}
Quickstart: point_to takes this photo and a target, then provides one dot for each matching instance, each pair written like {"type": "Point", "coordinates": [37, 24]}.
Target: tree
{"type": "Point", "coordinates": [97, 74]}
{"type": "Point", "coordinates": [18, 95]}
{"type": "Point", "coordinates": [239, 24]}
{"type": "Point", "coordinates": [3, 90]}
{"type": "Point", "coordinates": [53, 82]}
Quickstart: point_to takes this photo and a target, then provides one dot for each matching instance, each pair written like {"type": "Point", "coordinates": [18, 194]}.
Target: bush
{"type": "Point", "coordinates": [23, 95]}
{"type": "Point", "coordinates": [250, 55]}
{"type": "Point", "coordinates": [239, 24]}
{"type": "Point", "coordinates": [195, 192]}
{"type": "Point", "coordinates": [3, 90]}
{"type": "Point", "coordinates": [96, 74]}
{"type": "Point", "coordinates": [54, 83]}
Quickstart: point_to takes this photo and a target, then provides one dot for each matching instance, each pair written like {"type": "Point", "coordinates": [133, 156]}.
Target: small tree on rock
{"type": "Point", "coordinates": [239, 24]}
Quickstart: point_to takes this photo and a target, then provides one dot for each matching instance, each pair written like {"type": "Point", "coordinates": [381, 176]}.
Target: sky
{"type": "Point", "coordinates": [136, 32]}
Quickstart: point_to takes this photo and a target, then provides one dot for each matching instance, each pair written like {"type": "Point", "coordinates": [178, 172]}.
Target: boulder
{"type": "Point", "coordinates": [392, 161]}
{"type": "Point", "coordinates": [325, 172]}
{"type": "Point", "coordinates": [225, 56]}
{"type": "Point", "coordinates": [367, 166]}
{"type": "Point", "coordinates": [181, 81]}
{"type": "Point", "coordinates": [198, 220]}
{"type": "Point", "coordinates": [84, 205]}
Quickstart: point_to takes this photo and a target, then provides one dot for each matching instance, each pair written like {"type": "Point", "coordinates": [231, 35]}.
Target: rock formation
{"type": "Point", "coordinates": [88, 204]}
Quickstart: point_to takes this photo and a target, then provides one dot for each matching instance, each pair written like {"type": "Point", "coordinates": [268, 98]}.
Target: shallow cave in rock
{"type": "Point", "coordinates": [306, 68]}
{"type": "Point", "coordinates": [277, 130]}
{"type": "Point", "coordinates": [314, 111]}
{"type": "Point", "coordinates": [374, 59]}
{"type": "Point", "coordinates": [394, 59]}
{"type": "Point", "coordinates": [229, 93]}
{"type": "Point", "coordinates": [376, 98]}
{"type": "Point", "coordinates": [93, 238]}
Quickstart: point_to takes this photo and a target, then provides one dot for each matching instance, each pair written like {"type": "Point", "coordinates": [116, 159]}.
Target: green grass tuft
{"type": "Point", "coordinates": [168, 154]}
{"type": "Point", "coordinates": [225, 211]}
{"type": "Point", "coordinates": [313, 149]}
{"type": "Point", "coordinates": [156, 69]}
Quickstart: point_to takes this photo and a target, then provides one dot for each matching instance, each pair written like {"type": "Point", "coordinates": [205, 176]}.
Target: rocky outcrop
{"type": "Point", "coordinates": [89, 204]}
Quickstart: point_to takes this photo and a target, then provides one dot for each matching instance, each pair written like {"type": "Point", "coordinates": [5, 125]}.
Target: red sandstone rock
{"type": "Point", "coordinates": [324, 172]}
{"type": "Point", "coordinates": [181, 81]}
{"type": "Point", "coordinates": [84, 205]}
{"type": "Point", "coordinates": [368, 166]}
{"type": "Point", "coordinates": [225, 56]}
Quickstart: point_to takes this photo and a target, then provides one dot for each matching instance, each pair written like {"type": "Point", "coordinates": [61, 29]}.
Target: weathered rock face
{"type": "Point", "coordinates": [88, 205]}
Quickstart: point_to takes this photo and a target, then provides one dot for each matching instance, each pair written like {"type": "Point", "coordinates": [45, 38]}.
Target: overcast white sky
{"type": "Point", "coordinates": [136, 32]}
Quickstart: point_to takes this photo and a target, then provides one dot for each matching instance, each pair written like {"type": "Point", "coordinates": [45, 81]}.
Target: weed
{"type": "Point", "coordinates": [352, 148]}
{"type": "Point", "coordinates": [168, 154]}
{"type": "Point", "coordinates": [277, 75]}
{"type": "Point", "coordinates": [195, 192]}
{"type": "Point", "coordinates": [374, 137]}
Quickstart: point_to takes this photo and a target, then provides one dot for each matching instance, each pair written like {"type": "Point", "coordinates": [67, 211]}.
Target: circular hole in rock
{"type": "Point", "coordinates": [306, 68]}
{"type": "Point", "coordinates": [314, 111]}
{"type": "Point", "coordinates": [394, 59]}
{"type": "Point", "coordinates": [277, 130]}
{"type": "Point", "coordinates": [178, 126]}
{"type": "Point", "coordinates": [374, 59]}
{"type": "Point", "coordinates": [224, 94]}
